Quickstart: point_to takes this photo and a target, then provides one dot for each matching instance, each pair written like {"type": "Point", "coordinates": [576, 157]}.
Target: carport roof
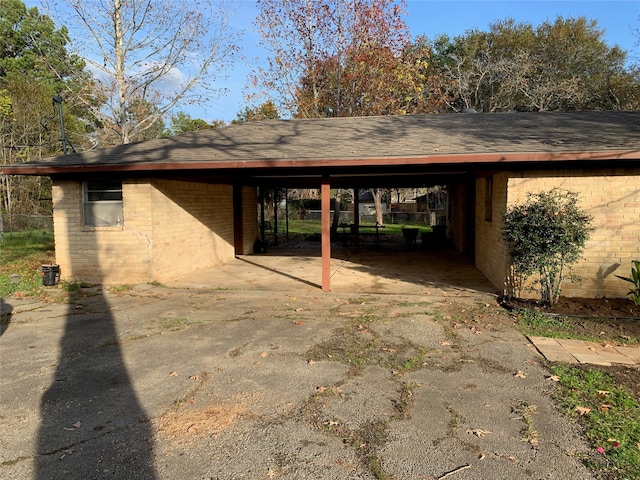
{"type": "Point", "coordinates": [328, 145]}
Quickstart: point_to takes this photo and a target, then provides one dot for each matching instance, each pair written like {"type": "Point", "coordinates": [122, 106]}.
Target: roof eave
{"type": "Point", "coordinates": [222, 165]}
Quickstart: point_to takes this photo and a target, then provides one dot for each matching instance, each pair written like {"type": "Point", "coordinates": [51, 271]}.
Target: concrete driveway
{"type": "Point", "coordinates": [166, 383]}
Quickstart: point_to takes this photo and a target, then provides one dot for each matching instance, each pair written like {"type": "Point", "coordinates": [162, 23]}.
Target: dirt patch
{"type": "Point", "coordinates": [614, 320]}
{"type": "Point", "coordinates": [587, 307]}
{"type": "Point", "coordinates": [186, 423]}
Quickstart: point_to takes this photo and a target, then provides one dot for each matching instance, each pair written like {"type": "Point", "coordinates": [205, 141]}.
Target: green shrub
{"type": "Point", "coordinates": [634, 280]}
{"type": "Point", "coordinates": [546, 235]}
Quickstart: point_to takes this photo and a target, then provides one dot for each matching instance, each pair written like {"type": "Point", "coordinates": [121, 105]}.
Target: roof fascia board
{"type": "Point", "coordinates": [473, 158]}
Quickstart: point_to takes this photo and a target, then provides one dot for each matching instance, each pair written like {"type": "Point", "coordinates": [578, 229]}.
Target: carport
{"type": "Point", "coordinates": [466, 152]}
{"type": "Point", "coordinates": [397, 174]}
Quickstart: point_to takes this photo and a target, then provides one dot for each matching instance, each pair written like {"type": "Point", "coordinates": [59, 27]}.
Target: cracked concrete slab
{"type": "Point", "coordinates": [161, 383]}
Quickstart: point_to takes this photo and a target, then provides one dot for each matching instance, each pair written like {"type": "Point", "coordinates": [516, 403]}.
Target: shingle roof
{"type": "Point", "coordinates": [394, 139]}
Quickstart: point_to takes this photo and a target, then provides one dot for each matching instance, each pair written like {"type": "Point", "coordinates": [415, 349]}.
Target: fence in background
{"type": "Point", "coordinates": [20, 223]}
{"type": "Point", "coordinates": [410, 218]}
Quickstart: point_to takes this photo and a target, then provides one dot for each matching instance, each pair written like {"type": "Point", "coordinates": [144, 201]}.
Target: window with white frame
{"type": "Point", "coordinates": [102, 203]}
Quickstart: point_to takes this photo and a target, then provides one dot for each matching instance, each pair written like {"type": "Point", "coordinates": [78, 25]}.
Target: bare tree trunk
{"type": "Point", "coordinates": [377, 203]}
{"type": "Point", "coordinates": [336, 211]}
{"type": "Point", "coordinates": [120, 72]}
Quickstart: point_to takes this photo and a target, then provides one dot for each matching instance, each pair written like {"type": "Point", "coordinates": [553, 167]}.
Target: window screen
{"type": "Point", "coordinates": [103, 203]}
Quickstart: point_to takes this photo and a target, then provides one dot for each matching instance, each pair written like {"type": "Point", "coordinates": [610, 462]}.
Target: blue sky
{"type": "Point", "coordinates": [435, 17]}
{"type": "Point", "coordinates": [432, 18]}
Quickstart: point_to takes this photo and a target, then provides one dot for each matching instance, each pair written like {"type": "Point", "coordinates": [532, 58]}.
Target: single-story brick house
{"type": "Point", "coordinates": [156, 210]}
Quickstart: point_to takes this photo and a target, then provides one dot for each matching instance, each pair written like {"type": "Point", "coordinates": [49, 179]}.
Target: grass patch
{"type": "Point", "coordinates": [366, 440]}
{"type": "Point", "coordinates": [173, 324]}
{"type": "Point", "coordinates": [529, 433]}
{"type": "Point", "coordinates": [120, 288]}
{"type": "Point", "coordinates": [358, 345]}
{"type": "Point", "coordinates": [315, 226]}
{"type": "Point", "coordinates": [612, 423]}
{"type": "Point", "coordinates": [415, 304]}
{"type": "Point", "coordinates": [22, 255]}
{"type": "Point", "coordinates": [539, 324]}
{"type": "Point", "coordinates": [535, 323]}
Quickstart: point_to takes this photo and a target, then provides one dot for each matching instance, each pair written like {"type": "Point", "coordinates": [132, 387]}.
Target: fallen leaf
{"type": "Point", "coordinates": [605, 407]}
{"type": "Point", "coordinates": [271, 473]}
{"type": "Point", "coordinates": [582, 410]}
{"type": "Point", "coordinates": [298, 309]}
{"type": "Point", "coordinates": [78, 424]}
{"type": "Point", "coordinates": [603, 393]}
{"type": "Point", "coordinates": [390, 350]}
{"type": "Point", "coordinates": [478, 432]}
{"type": "Point", "coordinates": [173, 374]}
{"type": "Point", "coordinates": [264, 354]}
{"type": "Point", "coordinates": [445, 343]}
{"type": "Point", "coordinates": [555, 378]}
{"type": "Point", "coordinates": [256, 363]}
{"type": "Point", "coordinates": [520, 374]}
{"type": "Point", "coordinates": [195, 377]}
{"type": "Point", "coordinates": [311, 362]}
{"type": "Point", "coordinates": [297, 322]}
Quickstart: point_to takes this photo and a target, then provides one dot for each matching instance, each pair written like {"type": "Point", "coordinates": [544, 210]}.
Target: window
{"type": "Point", "coordinates": [488, 199]}
{"type": "Point", "coordinates": [102, 202]}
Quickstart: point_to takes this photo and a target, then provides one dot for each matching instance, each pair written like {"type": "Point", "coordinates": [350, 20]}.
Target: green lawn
{"type": "Point", "coordinates": [23, 254]}
{"type": "Point", "coordinates": [315, 226]}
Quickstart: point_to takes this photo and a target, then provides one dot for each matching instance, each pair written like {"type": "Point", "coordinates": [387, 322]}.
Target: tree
{"type": "Point", "coordinates": [372, 80]}
{"type": "Point", "coordinates": [182, 122]}
{"type": "Point", "coordinates": [138, 111]}
{"type": "Point", "coordinates": [340, 58]}
{"type": "Point", "coordinates": [152, 52]}
{"type": "Point", "coordinates": [320, 46]}
{"type": "Point", "coordinates": [546, 235]}
{"type": "Point", "coordinates": [35, 67]}
{"type": "Point", "coordinates": [265, 111]}
{"type": "Point", "coordinates": [564, 65]}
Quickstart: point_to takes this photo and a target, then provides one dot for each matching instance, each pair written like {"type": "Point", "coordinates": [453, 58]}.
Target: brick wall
{"type": "Point", "coordinates": [490, 252]}
{"type": "Point", "coordinates": [192, 227]}
{"type": "Point", "coordinates": [102, 254]}
{"type": "Point", "coordinates": [249, 218]}
{"type": "Point", "coordinates": [612, 197]}
{"type": "Point", "coordinates": [170, 228]}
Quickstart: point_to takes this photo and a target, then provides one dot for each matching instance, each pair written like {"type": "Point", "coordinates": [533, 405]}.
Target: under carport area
{"type": "Point", "coordinates": [369, 265]}
{"type": "Point", "coordinates": [370, 270]}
